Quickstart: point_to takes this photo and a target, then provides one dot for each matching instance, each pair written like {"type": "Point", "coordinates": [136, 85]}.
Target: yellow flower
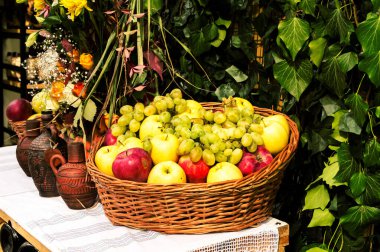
{"type": "Point", "coordinates": [39, 5]}
{"type": "Point", "coordinates": [75, 7]}
{"type": "Point", "coordinates": [86, 61]}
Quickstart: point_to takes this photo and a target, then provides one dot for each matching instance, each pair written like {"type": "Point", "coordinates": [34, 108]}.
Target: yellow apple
{"type": "Point", "coordinates": [223, 171]}
{"type": "Point", "coordinates": [131, 142]}
{"type": "Point", "coordinates": [243, 104]}
{"type": "Point", "coordinates": [150, 127]}
{"type": "Point", "coordinates": [275, 137]}
{"type": "Point", "coordinates": [34, 116]}
{"type": "Point", "coordinates": [194, 109]}
{"type": "Point", "coordinates": [104, 158]}
{"type": "Point", "coordinates": [164, 148]}
{"type": "Point", "coordinates": [166, 173]}
{"type": "Point", "coordinates": [277, 118]}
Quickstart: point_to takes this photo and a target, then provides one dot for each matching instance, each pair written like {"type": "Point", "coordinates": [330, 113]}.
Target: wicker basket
{"type": "Point", "coordinates": [193, 208]}
{"type": "Point", "coordinates": [18, 127]}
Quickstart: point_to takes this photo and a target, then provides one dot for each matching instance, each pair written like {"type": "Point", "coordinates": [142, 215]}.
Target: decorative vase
{"type": "Point", "coordinates": [73, 182]}
{"type": "Point", "coordinates": [41, 149]}
{"type": "Point", "coordinates": [32, 131]}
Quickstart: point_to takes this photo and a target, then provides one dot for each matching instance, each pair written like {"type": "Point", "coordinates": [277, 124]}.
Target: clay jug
{"type": "Point", "coordinates": [32, 131]}
{"type": "Point", "coordinates": [40, 151]}
{"type": "Point", "coordinates": [73, 182]}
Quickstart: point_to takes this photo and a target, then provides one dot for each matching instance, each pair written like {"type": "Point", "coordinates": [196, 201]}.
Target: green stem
{"type": "Point", "coordinates": [360, 84]}
{"type": "Point", "coordinates": [140, 56]}
{"type": "Point", "coordinates": [337, 4]}
{"type": "Point", "coordinates": [328, 246]}
{"type": "Point", "coordinates": [370, 125]}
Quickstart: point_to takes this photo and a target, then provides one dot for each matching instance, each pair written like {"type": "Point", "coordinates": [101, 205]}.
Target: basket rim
{"type": "Point", "coordinates": [278, 163]}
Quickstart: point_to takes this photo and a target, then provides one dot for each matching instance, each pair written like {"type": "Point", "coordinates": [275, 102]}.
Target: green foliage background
{"type": "Point", "coordinates": [322, 59]}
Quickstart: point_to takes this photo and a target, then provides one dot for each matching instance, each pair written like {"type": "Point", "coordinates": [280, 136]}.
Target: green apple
{"type": "Point", "coordinates": [131, 142]}
{"type": "Point", "coordinates": [164, 148]}
{"type": "Point", "coordinates": [275, 137]}
{"type": "Point", "coordinates": [223, 171]}
{"type": "Point", "coordinates": [150, 127]}
{"type": "Point", "coordinates": [104, 158]}
{"type": "Point", "coordinates": [166, 173]}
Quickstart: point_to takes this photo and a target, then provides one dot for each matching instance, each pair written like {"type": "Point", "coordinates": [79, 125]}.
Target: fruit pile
{"type": "Point", "coordinates": [184, 142]}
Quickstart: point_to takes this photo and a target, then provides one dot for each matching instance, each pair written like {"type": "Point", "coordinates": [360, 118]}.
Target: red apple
{"type": "Point", "coordinates": [19, 110]}
{"type": "Point", "coordinates": [109, 139]}
{"type": "Point", "coordinates": [133, 164]}
{"type": "Point", "coordinates": [195, 172]}
{"type": "Point", "coordinates": [263, 157]}
{"type": "Point", "coordinates": [248, 163]}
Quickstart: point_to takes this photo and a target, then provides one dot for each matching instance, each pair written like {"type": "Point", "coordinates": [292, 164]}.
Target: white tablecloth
{"type": "Point", "coordinates": [61, 229]}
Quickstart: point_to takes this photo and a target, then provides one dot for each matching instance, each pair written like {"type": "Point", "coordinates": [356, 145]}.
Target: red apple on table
{"type": "Point", "coordinates": [195, 172]}
{"type": "Point", "coordinates": [19, 110]}
{"type": "Point", "coordinates": [133, 164]}
{"type": "Point", "coordinates": [109, 139]}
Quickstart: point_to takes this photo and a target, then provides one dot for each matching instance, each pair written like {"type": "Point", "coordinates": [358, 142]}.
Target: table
{"type": "Point", "coordinates": [50, 225]}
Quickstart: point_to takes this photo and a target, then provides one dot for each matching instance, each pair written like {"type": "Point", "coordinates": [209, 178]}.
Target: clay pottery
{"type": "Point", "coordinates": [41, 149]}
{"type": "Point", "coordinates": [73, 182]}
{"type": "Point", "coordinates": [32, 131]}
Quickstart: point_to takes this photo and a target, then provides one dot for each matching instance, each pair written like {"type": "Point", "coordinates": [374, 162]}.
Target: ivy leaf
{"type": "Point", "coordinates": [224, 91]}
{"type": "Point", "coordinates": [237, 74]}
{"type": "Point", "coordinates": [294, 32]}
{"type": "Point", "coordinates": [316, 249]}
{"type": "Point", "coordinates": [330, 171]}
{"type": "Point", "coordinates": [377, 112]}
{"type": "Point", "coordinates": [370, 64]}
{"type": "Point", "coordinates": [333, 77]}
{"type": "Point", "coordinates": [295, 79]}
{"type": "Point", "coordinates": [357, 183]}
{"type": "Point", "coordinates": [376, 4]}
{"type": "Point", "coordinates": [308, 6]}
{"type": "Point", "coordinates": [317, 143]}
{"type": "Point", "coordinates": [223, 22]}
{"type": "Point", "coordinates": [347, 61]}
{"type": "Point", "coordinates": [347, 123]}
{"type": "Point", "coordinates": [348, 165]}
{"type": "Point", "coordinates": [358, 106]}
{"type": "Point", "coordinates": [329, 105]}
{"type": "Point", "coordinates": [200, 40]}
{"type": "Point", "coordinates": [221, 36]}
{"type": "Point", "coordinates": [338, 25]}
{"type": "Point", "coordinates": [359, 216]}
{"type": "Point", "coordinates": [368, 33]}
{"type": "Point", "coordinates": [371, 194]}
{"type": "Point", "coordinates": [371, 155]}
{"type": "Point", "coordinates": [89, 110]}
{"type": "Point", "coordinates": [198, 43]}
{"type": "Point", "coordinates": [317, 197]}
{"type": "Point", "coordinates": [210, 31]}
{"type": "Point", "coordinates": [317, 50]}
{"type": "Point", "coordinates": [321, 218]}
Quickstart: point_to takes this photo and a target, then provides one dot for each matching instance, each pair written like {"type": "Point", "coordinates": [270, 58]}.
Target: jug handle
{"type": "Point", "coordinates": [52, 164]}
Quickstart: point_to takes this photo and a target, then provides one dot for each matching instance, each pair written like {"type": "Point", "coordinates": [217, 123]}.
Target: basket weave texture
{"type": "Point", "coordinates": [195, 208]}
{"type": "Point", "coordinates": [18, 127]}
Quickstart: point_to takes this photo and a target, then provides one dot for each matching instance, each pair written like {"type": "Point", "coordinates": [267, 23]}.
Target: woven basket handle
{"type": "Point", "coordinates": [53, 164]}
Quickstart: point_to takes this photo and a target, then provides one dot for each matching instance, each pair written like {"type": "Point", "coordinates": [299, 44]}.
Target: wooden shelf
{"type": "Point", "coordinates": [18, 31]}
{"type": "Point", "coordinates": [13, 83]}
